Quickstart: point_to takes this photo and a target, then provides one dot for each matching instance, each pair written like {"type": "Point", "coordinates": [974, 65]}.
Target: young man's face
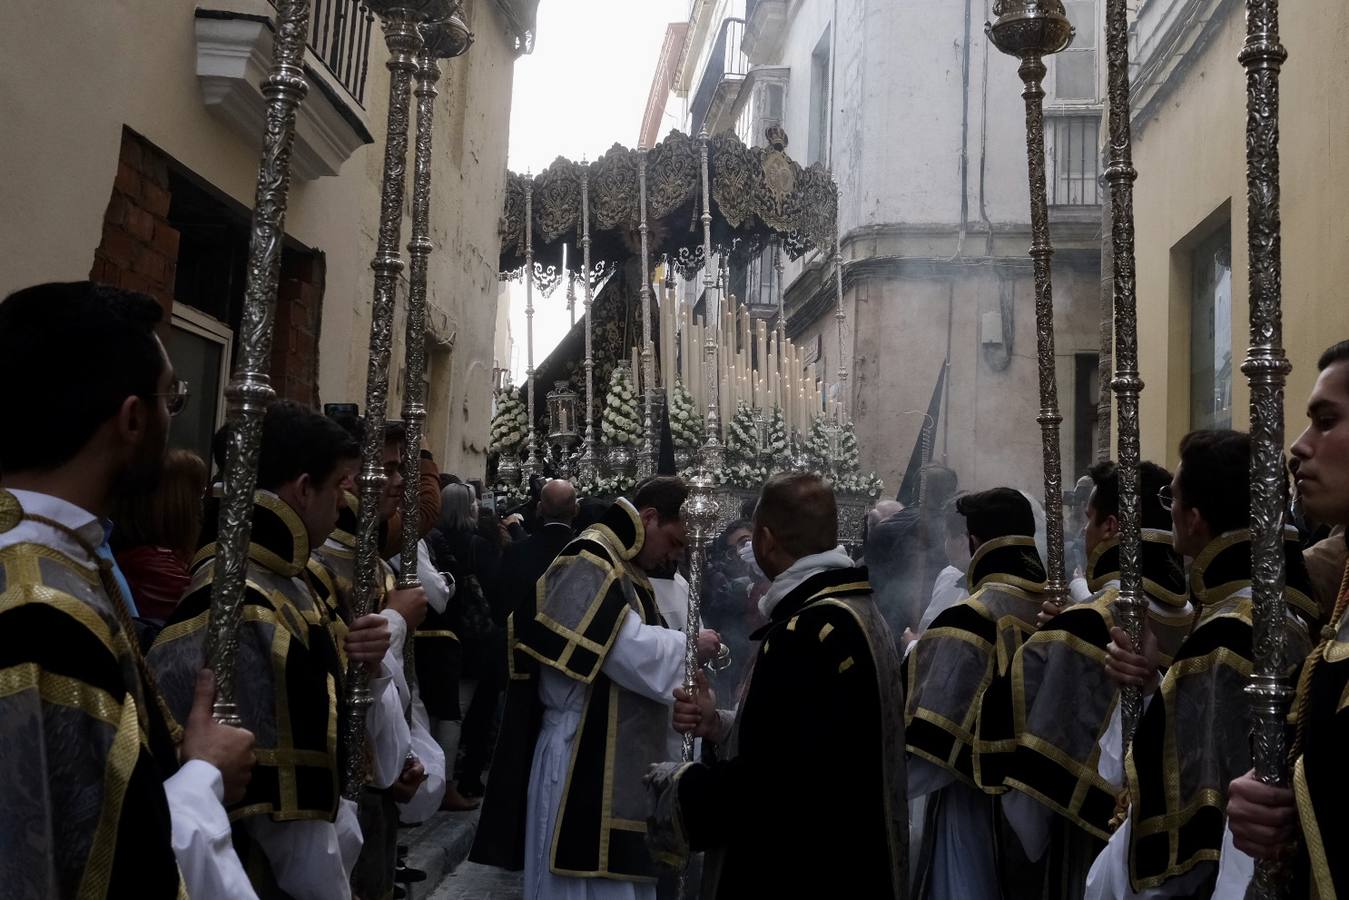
{"type": "Point", "coordinates": [145, 463]}
{"type": "Point", "coordinates": [1322, 451]}
{"type": "Point", "coordinates": [1188, 533]}
{"type": "Point", "coordinates": [664, 541]}
{"type": "Point", "coordinates": [1099, 528]}
{"type": "Point", "coordinates": [322, 502]}
{"type": "Point", "coordinates": [393, 488]}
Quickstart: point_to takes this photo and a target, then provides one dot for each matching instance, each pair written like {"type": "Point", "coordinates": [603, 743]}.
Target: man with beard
{"type": "Point", "coordinates": [1305, 823]}
{"type": "Point", "coordinates": [297, 837]}
{"type": "Point", "coordinates": [95, 799]}
{"type": "Point", "coordinates": [1058, 805]}
{"type": "Point", "coordinates": [1193, 738]}
{"type": "Point", "coordinates": [593, 673]}
{"type": "Point", "coordinates": [947, 672]}
{"type": "Point", "coordinates": [826, 649]}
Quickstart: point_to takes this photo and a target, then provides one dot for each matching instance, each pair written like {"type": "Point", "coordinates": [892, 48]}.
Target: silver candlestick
{"type": "Point", "coordinates": [713, 453]}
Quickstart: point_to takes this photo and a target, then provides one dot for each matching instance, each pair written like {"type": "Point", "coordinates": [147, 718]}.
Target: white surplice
{"type": "Point", "coordinates": [963, 864]}
{"type": "Point", "coordinates": [645, 659]}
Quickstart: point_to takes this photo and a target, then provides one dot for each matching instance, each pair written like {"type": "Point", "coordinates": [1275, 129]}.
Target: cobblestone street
{"type": "Point", "coordinates": [474, 882]}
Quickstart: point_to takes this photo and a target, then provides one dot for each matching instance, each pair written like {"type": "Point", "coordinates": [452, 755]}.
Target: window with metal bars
{"type": "Point", "coordinates": [1073, 158]}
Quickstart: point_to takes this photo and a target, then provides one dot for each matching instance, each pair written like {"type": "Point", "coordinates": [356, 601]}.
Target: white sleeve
{"type": "Point", "coordinates": [386, 731]}
{"type": "Point", "coordinates": [1078, 590]}
{"type": "Point", "coordinates": [1110, 766]}
{"type": "Point", "coordinates": [427, 799]}
{"type": "Point", "coordinates": [1235, 870]}
{"type": "Point", "coordinates": [646, 659]}
{"type": "Point", "coordinates": [925, 777]}
{"type": "Point", "coordinates": [439, 589]}
{"type": "Point", "coordinates": [202, 841]}
{"type": "Point", "coordinates": [308, 858]}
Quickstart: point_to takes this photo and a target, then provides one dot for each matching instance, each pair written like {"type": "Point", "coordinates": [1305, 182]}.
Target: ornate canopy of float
{"type": "Point", "coordinates": [668, 371]}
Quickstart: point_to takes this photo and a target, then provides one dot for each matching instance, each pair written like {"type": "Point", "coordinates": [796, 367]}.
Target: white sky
{"type": "Point", "coordinates": [582, 89]}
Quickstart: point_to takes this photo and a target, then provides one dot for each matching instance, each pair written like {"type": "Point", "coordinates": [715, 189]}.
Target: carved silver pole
{"type": "Point", "coordinates": [777, 286]}
{"type": "Point", "coordinates": [839, 315]}
{"type": "Point", "coordinates": [399, 19]}
{"type": "Point", "coordinates": [700, 516]}
{"type": "Point", "coordinates": [1266, 368]}
{"type": "Point", "coordinates": [441, 40]}
{"type": "Point", "coordinates": [250, 391]}
{"type": "Point", "coordinates": [532, 461]}
{"type": "Point", "coordinates": [646, 462]}
{"type": "Point", "coordinates": [589, 455]}
{"type": "Point", "coordinates": [713, 452]}
{"type": "Point", "coordinates": [571, 296]}
{"type": "Point", "coordinates": [1030, 30]}
{"type": "Point", "coordinates": [1127, 384]}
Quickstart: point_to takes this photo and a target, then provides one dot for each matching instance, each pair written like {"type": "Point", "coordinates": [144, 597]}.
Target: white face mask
{"type": "Point", "coordinates": [746, 553]}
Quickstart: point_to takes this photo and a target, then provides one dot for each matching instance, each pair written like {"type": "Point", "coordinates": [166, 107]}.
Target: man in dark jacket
{"type": "Point", "coordinates": [525, 561]}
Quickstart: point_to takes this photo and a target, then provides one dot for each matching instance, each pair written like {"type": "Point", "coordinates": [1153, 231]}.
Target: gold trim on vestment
{"type": "Point", "coordinates": [1002, 578]}
{"type": "Point", "coordinates": [122, 755]}
{"type": "Point", "coordinates": [22, 594]}
{"type": "Point", "coordinates": [19, 553]}
{"type": "Point", "coordinates": [1311, 833]}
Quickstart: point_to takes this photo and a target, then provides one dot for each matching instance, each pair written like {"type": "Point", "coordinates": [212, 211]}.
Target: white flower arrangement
{"type": "Point", "coordinates": [510, 424]}
{"type": "Point", "coordinates": [620, 423]}
{"type": "Point", "coordinates": [742, 446]}
{"type": "Point", "coordinates": [686, 426]}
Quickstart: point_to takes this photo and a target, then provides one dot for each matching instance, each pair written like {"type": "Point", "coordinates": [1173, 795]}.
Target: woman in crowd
{"type": "Point", "coordinates": [155, 535]}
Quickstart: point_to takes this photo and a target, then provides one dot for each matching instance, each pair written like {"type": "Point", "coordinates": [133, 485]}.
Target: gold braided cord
{"type": "Point", "coordinates": [1309, 669]}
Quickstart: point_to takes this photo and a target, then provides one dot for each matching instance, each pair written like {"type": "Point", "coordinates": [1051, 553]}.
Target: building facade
{"type": "Point", "coordinates": [1189, 124]}
{"type": "Point", "coordinates": [922, 122]}
{"type": "Point", "coordinates": [138, 166]}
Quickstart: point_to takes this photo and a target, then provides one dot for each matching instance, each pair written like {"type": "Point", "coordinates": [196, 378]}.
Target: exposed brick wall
{"type": "Point", "coordinates": [299, 314]}
{"type": "Point", "coordinates": [139, 249]}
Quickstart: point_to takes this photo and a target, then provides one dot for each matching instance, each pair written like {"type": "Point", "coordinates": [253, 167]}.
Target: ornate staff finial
{"type": "Point", "coordinates": [1030, 30]}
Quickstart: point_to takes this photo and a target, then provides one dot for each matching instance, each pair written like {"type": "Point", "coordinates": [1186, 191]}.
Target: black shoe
{"type": "Point", "coordinates": [471, 787]}
{"type": "Point", "coordinates": [408, 875]}
{"type": "Point", "coordinates": [398, 892]}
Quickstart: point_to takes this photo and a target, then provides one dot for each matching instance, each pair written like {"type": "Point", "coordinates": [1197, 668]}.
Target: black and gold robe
{"type": "Point", "coordinates": [1320, 775]}
{"type": "Point", "coordinates": [290, 673]}
{"type": "Point", "coordinates": [1194, 736]}
{"type": "Point", "coordinates": [1041, 723]}
{"type": "Point", "coordinates": [84, 745]}
{"type": "Point", "coordinates": [579, 607]}
{"type": "Point", "coordinates": [965, 648]}
{"type": "Point", "coordinates": [824, 694]}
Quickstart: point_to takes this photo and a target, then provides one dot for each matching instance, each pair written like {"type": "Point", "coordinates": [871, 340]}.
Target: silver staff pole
{"type": "Point", "coordinates": [1031, 30]}
{"type": "Point", "coordinates": [1132, 605]}
{"type": "Point", "coordinates": [400, 20]}
{"type": "Point", "coordinates": [250, 390]}
{"type": "Point", "coordinates": [1266, 368]}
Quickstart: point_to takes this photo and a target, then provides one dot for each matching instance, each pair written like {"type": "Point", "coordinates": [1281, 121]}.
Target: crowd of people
{"type": "Point", "coordinates": [923, 720]}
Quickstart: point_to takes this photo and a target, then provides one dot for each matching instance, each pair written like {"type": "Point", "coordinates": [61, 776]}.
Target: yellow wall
{"type": "Point", "coordinates": [73, 73]}
{"type": "Point", "coordinates": [1190, 155]}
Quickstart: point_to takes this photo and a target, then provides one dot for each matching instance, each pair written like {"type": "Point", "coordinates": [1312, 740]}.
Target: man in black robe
{"type": "Point", "coordinates": [1307, 821]}
{"type": "Point", "coordinates": [824, 693]}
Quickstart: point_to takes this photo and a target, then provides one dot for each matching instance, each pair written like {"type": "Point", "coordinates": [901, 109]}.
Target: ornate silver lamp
{"type": "Point", "coordinates": [1266, 367]}
{"type": "Point", "coordinates": [250, 390]}
{"type": "Point", "coordinates": [401, 20]}
{"type": "Point", "coordinates": [562, 421]}
{"type": "Point", "coordinates": [1031, 30]}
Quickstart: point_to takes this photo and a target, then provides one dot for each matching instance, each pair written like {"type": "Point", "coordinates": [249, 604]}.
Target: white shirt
{"type": "Point", "coordinates": [200, 827]}
{"type": "Point", "coordinates": [672, 599]}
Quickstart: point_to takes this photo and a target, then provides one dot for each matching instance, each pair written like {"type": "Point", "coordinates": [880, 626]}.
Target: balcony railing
{"type": "Point", "coordinates": [1073, 157]}
{"type": "Point", "coordinates": [726, 61]}
{"type": "Point", "coordinates": [339, 35]}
